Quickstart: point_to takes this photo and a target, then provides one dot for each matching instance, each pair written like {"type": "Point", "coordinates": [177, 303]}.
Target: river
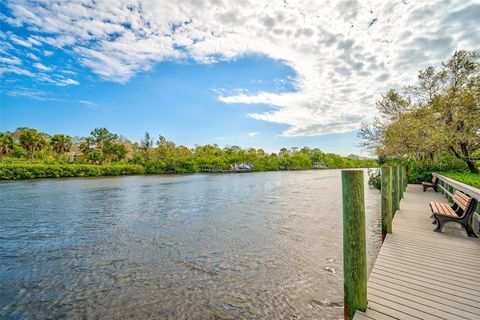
{"type": "Point", "coordinates": [235, 246]}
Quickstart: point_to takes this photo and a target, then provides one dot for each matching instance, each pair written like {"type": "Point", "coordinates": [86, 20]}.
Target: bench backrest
{"type": "Point", "coordinates": [462, 200]}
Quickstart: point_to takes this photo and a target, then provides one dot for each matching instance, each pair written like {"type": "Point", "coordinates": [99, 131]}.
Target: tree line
{"type": "Point", "coordinates": [102, 147]}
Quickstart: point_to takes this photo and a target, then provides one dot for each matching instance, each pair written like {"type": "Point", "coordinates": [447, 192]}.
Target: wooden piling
{"type": "Point", "coordinates": [394, 190]}
{"type": "Point", "coordinates": [398, 188]}
{"type": "Point", "coordinates": [354, 243]}
{"type": "Point", "coordinates": [402, 181]}
{"type": "Point", "coordinates": [386, 189]}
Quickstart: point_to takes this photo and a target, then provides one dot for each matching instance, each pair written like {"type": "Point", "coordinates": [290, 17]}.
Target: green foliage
{"type": "Point", "coordinates": [36, 170]}
{"type": "Point", "coordinates": [18, 152]}
{"type": "Point", "coordinates": [31, 140]}
{"type": "Point", "coordinates": [472, 179]}
{"type": "Point", "coordinates": [6, 143]}
{"type": "Point", "coordinates": [31, 154]}
{"type": "Point", "coordinates": [440, 113]}
{"type": "Point", "coordinates": [155, 167]}
{"type": "Point", "coordinates": [422, 170]}
{"type": "Point", "coordinates": [102, 146]}
{"type": "Point", "coordinates": [61, 143]}
{"type": "Point", "coordinates": [375, 179]}
{"type": "Point", "coordinates": [185, 166]}
{"type": "Point", "coordinates": [146, 142]}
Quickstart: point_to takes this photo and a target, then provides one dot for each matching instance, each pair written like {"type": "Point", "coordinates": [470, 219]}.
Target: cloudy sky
{"type": "Point", "coordinates": [253, 73]}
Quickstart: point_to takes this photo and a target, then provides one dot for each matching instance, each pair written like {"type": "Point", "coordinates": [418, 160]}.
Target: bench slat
{"type": "Point", "coordinates": [443, 209]}
{"type": "Point", "coordinates": [463, 195]}
{"type": "Point", "coordinates": [447, 210]}
{"type": "Point", "coordinates": [462, 200]}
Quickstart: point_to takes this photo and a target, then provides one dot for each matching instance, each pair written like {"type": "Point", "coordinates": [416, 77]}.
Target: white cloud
{"type": "Point", "coordinates": [32, 94]}
{"type": "Point", "coordinates": [344, 53]}
{"type": "Point", "coordinates": [20, 41]}
{"type": "Point", "coordinates": [34, 41]}
{"type": "Point", "coordinates": [68, 72]}
{"type": "Point", "coordinates": [42, 67]}
{"type": "Point", "coordinates": [252, 134]}
{"type": "Point", "coordinates": [88, 103]}
{"type": "Point", "coordinates": [16, 70]}
{"type": "Point", "coordinates": [67, 82]}
{"type": "Point", "coordinates": [10, 60]}
{"type": "Point", "coordinates": [32, 56]}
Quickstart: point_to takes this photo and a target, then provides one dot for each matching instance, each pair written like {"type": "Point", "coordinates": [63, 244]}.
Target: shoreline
{"type": "Point", "coordinates": [24, 171]}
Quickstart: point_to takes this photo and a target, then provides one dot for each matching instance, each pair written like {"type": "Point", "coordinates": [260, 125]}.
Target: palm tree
{"type": "Point", "coordinates": [61, 143]}
{"type": "Point", "coordinates": [31, 140]}
{"type": "Point", "coordinates": [6, 143]}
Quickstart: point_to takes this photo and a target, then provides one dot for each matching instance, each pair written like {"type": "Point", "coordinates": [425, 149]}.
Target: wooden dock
{"type": "Point", "coordinates": [421, 274]}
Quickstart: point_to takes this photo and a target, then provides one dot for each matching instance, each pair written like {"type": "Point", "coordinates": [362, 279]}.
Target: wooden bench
{"type": "Point", "coordinates": [461, 211]}
{"type": "Point", "coordinates": [432, 184]}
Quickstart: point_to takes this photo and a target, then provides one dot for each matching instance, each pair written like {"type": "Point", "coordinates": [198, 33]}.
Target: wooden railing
{"type": "Point", "coordinates": [448, 186]}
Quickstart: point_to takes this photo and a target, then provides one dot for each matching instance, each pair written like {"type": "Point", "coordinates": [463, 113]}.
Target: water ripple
{"type": "Point", "coordinates": [245, 246]}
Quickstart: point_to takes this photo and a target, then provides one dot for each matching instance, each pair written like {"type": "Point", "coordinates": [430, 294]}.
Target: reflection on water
{"type": "Point", "coordinates": [238, 246]}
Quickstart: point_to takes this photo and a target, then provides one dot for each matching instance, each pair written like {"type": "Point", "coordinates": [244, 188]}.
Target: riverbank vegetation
{"type": "Point", "coordinates": [28, 153]}
{"type": "Point", "coordinates": [13, 171]}
{"type": "Point", "coordinates": [433, 125]}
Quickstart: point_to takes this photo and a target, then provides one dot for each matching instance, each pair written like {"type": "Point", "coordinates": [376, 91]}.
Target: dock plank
{"type": "Point", "coordinates": [421, 274]}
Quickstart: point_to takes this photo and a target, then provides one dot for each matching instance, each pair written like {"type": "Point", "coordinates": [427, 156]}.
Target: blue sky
{"type": "Point", "coordinates": [267, 75]}
{"type": "Point", "coordinates": [177, 99]}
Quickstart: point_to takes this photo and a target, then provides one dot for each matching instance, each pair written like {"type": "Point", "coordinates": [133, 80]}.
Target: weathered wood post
{"type": "Point", "coordinates": [398, 189]}
{"type": "Point", "coordinates": [354, 243]}
{"type": "Point", "coordinates": [394, 190]}
{"type": "Point", "coordinates": [402, 181]}
{"type": "Point", "coordinates": [387, 213]}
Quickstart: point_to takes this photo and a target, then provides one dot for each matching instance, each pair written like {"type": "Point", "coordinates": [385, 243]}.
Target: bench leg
{"type": "Point", "coordinates": [441, 221]}
{"type": "Point", "coordinates": [469, 230]}
{"type": "Point", "coordinates": [439, 224]}
{"type": "Point", "coordinates": [424, 189]}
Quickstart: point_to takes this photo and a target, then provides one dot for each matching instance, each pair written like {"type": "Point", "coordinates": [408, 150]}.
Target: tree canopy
{"type": "Point", "coordinates": [439, 113]}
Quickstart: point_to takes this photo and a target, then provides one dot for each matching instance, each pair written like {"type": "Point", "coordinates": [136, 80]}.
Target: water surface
{"type": "Point", "coordinates": [238, 246]}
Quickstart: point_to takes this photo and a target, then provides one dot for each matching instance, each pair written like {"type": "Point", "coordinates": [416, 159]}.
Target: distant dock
{"type": "Point", "coordinates": [233, 169]}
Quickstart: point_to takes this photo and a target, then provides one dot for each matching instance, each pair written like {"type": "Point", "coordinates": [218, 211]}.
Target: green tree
{"type": "Point", "coordinates": [102, 137]}
{"type": "Point", "coordinates": [101, 146]}
{"type": "Point", "coordinates": [6, 143]}
{"type": "Point", "coordinates": [115, 152]}
{"type": "Point", "coordinates": [161, 140]}
{"type": "Point", "coordinates": [61, 143]}
{"type": "Point", "coordinates": [440, 113]}
{"type": "Point", "coordinates": [146, 142]}
{"type": "Point", "coordinates": [31, 140]}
